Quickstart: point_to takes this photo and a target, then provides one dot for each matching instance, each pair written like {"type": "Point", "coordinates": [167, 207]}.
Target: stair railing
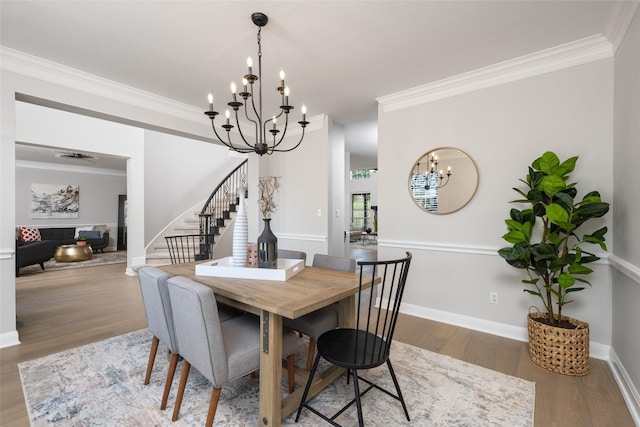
{"type": "Point", "coordinates": [218, 207]}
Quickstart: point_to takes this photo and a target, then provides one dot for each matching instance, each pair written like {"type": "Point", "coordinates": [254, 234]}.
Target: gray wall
{"type": "Point", "coordinates": [503, 129]}
{"type": "Point", "coordinates": [626, 231]}
{"type": "Point", "coordinates": [98, 195]}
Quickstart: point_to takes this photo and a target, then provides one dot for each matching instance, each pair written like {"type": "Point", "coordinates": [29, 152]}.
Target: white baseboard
{"type": "Point", "coordinates": [9, 339]}
{"type": "Point", "coordinates": [596, 350]}
{"type": "Point", "coordinates": [627, 388]}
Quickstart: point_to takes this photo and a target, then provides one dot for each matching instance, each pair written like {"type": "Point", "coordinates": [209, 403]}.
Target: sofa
{"type": "Point", "coordinates": [41, 243]}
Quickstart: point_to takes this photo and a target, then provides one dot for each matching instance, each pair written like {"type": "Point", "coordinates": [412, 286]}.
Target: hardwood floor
{"type": "Point", "coordinates": [65, 309]}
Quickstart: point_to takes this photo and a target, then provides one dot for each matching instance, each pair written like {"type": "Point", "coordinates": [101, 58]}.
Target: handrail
{"type": "Point", "coordinates": [218, 206]}
{"type": "Point", "coordinates": [224, 180]}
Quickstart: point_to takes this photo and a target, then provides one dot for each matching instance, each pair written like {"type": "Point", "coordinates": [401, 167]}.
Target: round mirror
{"type": "Point", "coordinates": [443, 180]}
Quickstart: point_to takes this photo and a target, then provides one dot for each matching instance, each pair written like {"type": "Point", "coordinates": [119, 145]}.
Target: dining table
{"type": "Point", "coordinates": [308, 290]}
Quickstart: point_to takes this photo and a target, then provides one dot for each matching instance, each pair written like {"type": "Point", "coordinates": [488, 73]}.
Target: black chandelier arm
{"type": "Point", "coordinates": [240, 132]}
{"type": "Point", "coordinates": [292, 148]}
{"type": "Point", "coordinates": [213, 126]}
{"type": "Point", "coordinates": [284, 132]}
{"type": "Point", "coordinates": [230, 144]}
{"type": "Point", "coordinates": [255, 123]}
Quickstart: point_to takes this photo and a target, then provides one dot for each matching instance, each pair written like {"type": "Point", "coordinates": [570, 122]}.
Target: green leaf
{"type": "Point", "coordinates": [565, 199]}
{"type": "Point", "coordinates": [566, 167]}
{"type": "Point", "coordinates": [557, 214]}
{"type": "Point", "coordinates": [510, 254]}
{"type": "Point", "coordinates": [551, 184]}
{"type": "Point", "coordinates": [514, 236]}
{"type": "Point", "coordinates": [579, 269]}
{"type": "Point", "coordinates": [513, 225]}
{"type": "Point", "coordinates": [566, 280]}
{"type": "Point", "coordinates": [547, 162]}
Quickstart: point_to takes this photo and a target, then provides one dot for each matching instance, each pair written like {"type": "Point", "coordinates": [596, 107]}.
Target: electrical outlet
{"type": "Point", "coordinates": [493, 297]}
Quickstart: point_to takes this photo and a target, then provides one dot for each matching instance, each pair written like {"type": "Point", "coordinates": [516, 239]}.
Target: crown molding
{"type": "Point", "coordinates": [619, 20]}
{"type": "Point", "coordinates": [68, 168]}
{"type": "Point", "coordinates": [568, 55]}
{"type": "Point", "coordinates": [32, 66]}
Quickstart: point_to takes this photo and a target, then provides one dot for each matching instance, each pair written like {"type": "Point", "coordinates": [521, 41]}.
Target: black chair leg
{"type": "Point", "coordinates": [356, 389]}
{"type": "Point", "coordinates": [308, 386]}
{"type": "Point", "coordinates": [395, 382]}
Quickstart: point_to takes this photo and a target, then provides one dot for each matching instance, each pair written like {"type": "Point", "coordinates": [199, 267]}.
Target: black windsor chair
{"type": "Point", "coordinates": [368, 344]}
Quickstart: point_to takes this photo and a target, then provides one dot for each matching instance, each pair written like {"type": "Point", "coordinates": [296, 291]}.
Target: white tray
{"type": "Point", "coordinates": [223, 267]}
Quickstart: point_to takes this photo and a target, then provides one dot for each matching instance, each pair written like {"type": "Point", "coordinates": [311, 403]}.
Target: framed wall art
{"type": "Point", "coordinates": [55, 201]}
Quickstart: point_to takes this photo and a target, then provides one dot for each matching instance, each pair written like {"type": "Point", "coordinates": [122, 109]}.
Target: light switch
{"type": "Point", "coordinates": [319, 212]}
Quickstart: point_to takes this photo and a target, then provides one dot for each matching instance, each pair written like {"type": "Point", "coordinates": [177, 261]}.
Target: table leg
{"type": "Point", "coordinates": [270, 369]}
{"type": "Point", "coordinates": [347, 312]}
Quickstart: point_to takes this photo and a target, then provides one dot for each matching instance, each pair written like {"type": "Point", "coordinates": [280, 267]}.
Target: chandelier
{"type": "Point", "coordinates": [433, 178]}
{"type": "Point", "coordinates": [264, 144]}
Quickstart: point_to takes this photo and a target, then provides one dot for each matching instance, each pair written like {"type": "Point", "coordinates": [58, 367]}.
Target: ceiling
{"type": "Point", "coordinates": [339, 56]}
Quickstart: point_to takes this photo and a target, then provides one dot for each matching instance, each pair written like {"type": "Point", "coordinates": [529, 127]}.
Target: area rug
{"type": "Point", "coordinates": [97, 259]}
{"type": "Point", "coordinates": [100, 384]}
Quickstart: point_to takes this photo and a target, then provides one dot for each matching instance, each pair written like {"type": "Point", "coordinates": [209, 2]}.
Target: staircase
{"type": "Point", "coordinates": [204, 227]}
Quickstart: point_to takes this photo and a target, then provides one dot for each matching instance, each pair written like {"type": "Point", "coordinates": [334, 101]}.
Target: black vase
{"type": "Point", "coordinates": [267, 247]}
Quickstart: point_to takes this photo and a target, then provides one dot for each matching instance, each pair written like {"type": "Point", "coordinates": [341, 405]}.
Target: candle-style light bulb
{"type": "Point", "coordinates": [233, 88]}
{"type": "Point", "coordinates": [304, 112]}
{"type": "Point", "coordinates": [449, 170]}
{"type": "Point", "coordinates": [282, 78]}
{"type": "Point", "coordinates": [245, 82]}
{"type": "Point", "coordinates": [227, 115]}
{"type": "Point", "coordinates": [210, 102]}
{"type": "Point", "coordinates": [274, 121]}
{"type": "Point", "coordinates": [250, 64]}
{"type": "Point", "coordinates": [286, 96]}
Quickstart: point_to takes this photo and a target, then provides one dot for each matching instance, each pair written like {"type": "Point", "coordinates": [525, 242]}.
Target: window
{"type": "Point", "coordinates": [360, 174]}
{"type": "Point", "coordinates": [361, 212]}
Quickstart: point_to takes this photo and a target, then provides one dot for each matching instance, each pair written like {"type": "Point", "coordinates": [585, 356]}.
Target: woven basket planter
{"type": "Point", "coordinates": [565, 351]}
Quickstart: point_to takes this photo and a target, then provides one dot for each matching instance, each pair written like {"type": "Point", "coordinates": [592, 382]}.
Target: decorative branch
{"type": "Point", "coordinates": [268, 186]}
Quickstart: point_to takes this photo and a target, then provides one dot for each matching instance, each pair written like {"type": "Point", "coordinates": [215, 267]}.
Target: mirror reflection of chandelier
{"type": "Point", "coordinates": [253, 112]}
{"type": "Point", "coordinates": [438, 177]}
{"type": "Point", "coordinates": [425, 186]}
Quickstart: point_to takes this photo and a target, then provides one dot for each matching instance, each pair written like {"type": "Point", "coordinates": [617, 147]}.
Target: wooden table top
{"type": "Point", "coordinates": [310, 289]}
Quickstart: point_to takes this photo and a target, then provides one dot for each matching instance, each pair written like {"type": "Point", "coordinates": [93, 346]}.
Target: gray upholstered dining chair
{"type": "Point", "coordinates": [221, 351]}
{"type": "Point", "coordinates": [158, 309]}
{"type": "Point", "coordinates": [286, 253]}
{"type": "Point", "coordinates": [157, 306]}
{"type": "Point", "coordinates": [322, 320]}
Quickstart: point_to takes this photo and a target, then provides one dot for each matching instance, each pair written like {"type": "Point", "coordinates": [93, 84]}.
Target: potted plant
{"type": "Point", "coordinates": [81, 241]}
{"type": "Point", "coordinates": [546, 244]}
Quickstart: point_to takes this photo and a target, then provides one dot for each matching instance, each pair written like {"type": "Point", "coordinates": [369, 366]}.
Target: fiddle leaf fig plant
{"type": "Point", "coordinates": [544, 235]}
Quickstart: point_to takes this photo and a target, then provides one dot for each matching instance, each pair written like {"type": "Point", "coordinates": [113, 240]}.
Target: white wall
{"type": "Point", "coordinates": [179, 173]}
{"type": "Point", "coordinates": [503, 129]}
{"type": "Point", "coordinates": [339, 213]}
{"type": "Point", "coordinates": [626, 205]}
{"type": "Point", "coordinates": [304, 192]}
{"type": "Point", "coordinates": [50, 127]}
{"type": "Point", "coordinates": [43, 82]}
